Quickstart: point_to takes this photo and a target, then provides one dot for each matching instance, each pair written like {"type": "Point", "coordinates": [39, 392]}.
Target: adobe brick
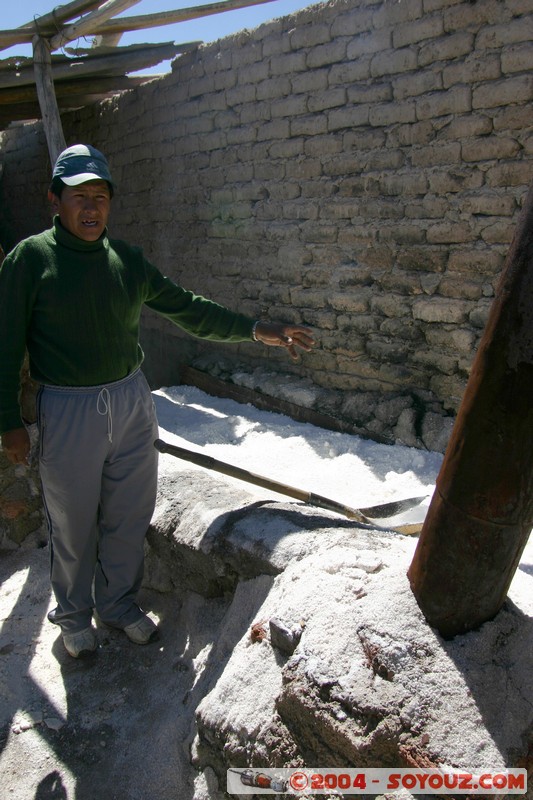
{"type": "Point", "coordinates": [454, 101]}
{"type": "Point", "coordinates": [327, 54]}
{"type": "Point", "coordinates": [391, 62]}
{"type": "Point", "coordinates": [475, 68]}
{"type": "Point", "coordinates": [517, 58]}
{"type": "Point", "coordinates": [391, 13]}
{"type": "Point", "coordinates": [430, 26]}
{"type": "Point", "coordinates": [510, 32]}
{"type": "Point", "coordinates": [501, 93]}
{"type": "Point", "coordinates": [492, 147]}
{"type": "Point", "coordinates": [446, 48]}
{"type": "Point", "coordinates": [369, 44]}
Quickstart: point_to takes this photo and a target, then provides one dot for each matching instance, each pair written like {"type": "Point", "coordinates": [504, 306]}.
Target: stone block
{"type": "Point", "coordinates": [349, 71]}
{"type": "Point", "coordinates": [449, 389]}
{"type": "Point", "coordinates": [493, 147]}
{"type": "Point", "coordinates": [438, 104]}
{"type": "Point", "coordinates": [401, 234]}
{"type": "Point", "coordinates": [310, 81]}
{"type": "Point", "coordinates": [330, 98]}
{"type": "Point", "coordinates": [430, 26]}
{"type": "Point", "coordinates": [290, 106]}
{"type": "Point", "coordinates": [391, 62]}
{"type": "Point", "coordinates": [390, 351]}
{"type": "Point", "coordinates": [349, 117]}
{"type": "Point", "coordinates": [513, 117]}
{"type": "Point", "coordinates": [286, 64]}
{"type": "Point", "coordinates": [356, 20]}
{"type": "Point", "coordinates": [518, 173]}
{"type": "Point", "coordinates": [517, 58]}
{"type": "Point", "coordinates": [509, 32]}
{"type": "Point", "coordinates": [277, 129]}
{"type": "Point", "coordinates": [436, 431]}
{"type": "Point", "coordinates": [477, 67]}
{"type": "Point", "coordinates": [500, 93]}
{"type": "Point", "coordinates": [498, 232]}
{"type": "Point", "coordinates": [391, 306]}
{"type": "Point", "coordinates": [455, 179]}
{"type": "Point", "coordinates": [436, 154]}
{"type": "Point", "coordinates": [392, 113]}
{"type": "Point", "coordinates": [438, 309]}
{"type": "Point", "coordinates": [273, 88]}
{"type": "Point", "coordinates": [457, 340]}
{"type": "Point", "coordinates": [459, 288]}
{"type": "Point", "coordinates": [489, 204]}
{"type": "Point", "coordinates": [450, 233]}
{"type": "Point", "coordinates": [466, 126]}
{"type": "Point", "coordinates": [391, 13]}
{"type": "Point", "coordinates": [473, 16]}
{"type": "Point", "coordinates": [368, 44]}
{"type": "Point", "coordinates": [355, 302]}
{"type": "Point", "coordinates": [326, 54]}
{"type": "Point", "coordinates": [447, 48]}
{"type": "Point", "coordinates": [421, 82]}
{"type": "Point", "coordinates": [305, 36]}
{"type": "Point", "coordinates": [310, 125]}
{"type": "Point", "coordinates": [406, 184]}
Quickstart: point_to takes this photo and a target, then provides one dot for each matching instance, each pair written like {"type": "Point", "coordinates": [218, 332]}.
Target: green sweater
{"type": "Point", "coordinates": [76, 306]}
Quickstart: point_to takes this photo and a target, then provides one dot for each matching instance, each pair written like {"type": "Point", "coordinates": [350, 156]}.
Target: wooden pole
{"type": "Point", "coordinates": [481, 513]}
{"type": "Point", "coordinates": [42, 64]}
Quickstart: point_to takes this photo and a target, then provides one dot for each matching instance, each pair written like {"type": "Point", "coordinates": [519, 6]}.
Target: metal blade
{"type": "Point", "coordinates": [391, 509]}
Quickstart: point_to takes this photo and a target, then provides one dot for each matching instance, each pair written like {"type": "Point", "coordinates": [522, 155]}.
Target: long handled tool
{"type": "Point", "coordinates": [365, 515]}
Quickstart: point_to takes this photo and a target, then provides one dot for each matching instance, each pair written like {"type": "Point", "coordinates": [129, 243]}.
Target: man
{"type": "Point", "coordinates": [73, 297]}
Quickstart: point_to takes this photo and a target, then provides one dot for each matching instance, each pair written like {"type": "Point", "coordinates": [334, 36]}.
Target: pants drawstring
{"type": "Point", "coordinates": [103, 406]}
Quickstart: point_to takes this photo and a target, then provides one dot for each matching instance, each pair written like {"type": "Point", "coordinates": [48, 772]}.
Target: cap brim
{"type": "Point", "coordinates": [83, 177]}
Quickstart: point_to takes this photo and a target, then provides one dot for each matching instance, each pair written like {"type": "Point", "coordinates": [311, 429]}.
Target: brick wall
{"type": "Point", "coordinates": [358, 167]}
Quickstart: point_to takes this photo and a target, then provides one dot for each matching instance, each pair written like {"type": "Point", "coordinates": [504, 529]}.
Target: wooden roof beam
{"type": "Point", "coordinates": [116, 63]}
{"type": "Point", "coordinates": [86, 25]}
{"type": "Point", "coordinates": [66, 89]}
{"type": "Point", "coordinates": [61, 14]}
{"type": "Point", "coordinates": [46, 25]}
{"type": "Point", "coordinates": [125, 24]}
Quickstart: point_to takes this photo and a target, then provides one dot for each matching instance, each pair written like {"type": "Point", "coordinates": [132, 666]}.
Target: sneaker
{"type": "Point", "coordinates": [143, 631]}
{"type": "Point", "coordinates": [80, 644]}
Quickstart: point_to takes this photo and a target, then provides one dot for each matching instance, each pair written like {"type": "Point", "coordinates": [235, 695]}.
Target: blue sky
{"type": "Point", "coordinates": [206, 29]}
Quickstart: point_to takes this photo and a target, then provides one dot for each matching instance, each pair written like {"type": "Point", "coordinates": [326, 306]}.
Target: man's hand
{"type": "Point", "coordinates": [290, 336]}
{"type": "Point", "coordinates": [16, 445]}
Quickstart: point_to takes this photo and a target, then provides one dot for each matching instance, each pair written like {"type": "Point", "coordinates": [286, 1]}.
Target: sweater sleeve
{"type": "Point", "coordinates": [195, 314]}
{"type": "Point", "coordinates": [15, 307]}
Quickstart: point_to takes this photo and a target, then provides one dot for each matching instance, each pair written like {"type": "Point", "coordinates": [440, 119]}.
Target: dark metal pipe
{"type": "Point", "coordinates": [481, 513]}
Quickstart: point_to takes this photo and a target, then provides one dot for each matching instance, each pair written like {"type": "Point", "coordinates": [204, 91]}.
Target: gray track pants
{"type": "Point", "coordinates": [99, 474]}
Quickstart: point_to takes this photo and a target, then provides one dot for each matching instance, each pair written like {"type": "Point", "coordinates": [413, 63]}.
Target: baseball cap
{"type": "Point", "coordinates": [80, 163]}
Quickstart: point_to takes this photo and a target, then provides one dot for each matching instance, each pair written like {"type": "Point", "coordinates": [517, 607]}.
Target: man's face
{"type": "Point", "coordinates": [84, 209]}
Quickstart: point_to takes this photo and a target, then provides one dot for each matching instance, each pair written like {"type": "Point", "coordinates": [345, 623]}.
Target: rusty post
{"type": "Point", "coordinates": [481, 513]}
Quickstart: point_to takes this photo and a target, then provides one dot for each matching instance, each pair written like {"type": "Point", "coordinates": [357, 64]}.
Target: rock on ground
{"type": "Point", "coordinates": [359, 680]}
{"type": "Point", "coordinates": [369, 682]}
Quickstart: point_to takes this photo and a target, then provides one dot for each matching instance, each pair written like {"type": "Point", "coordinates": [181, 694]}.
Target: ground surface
{"type": "Point", "coordinates": [115, 726]}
